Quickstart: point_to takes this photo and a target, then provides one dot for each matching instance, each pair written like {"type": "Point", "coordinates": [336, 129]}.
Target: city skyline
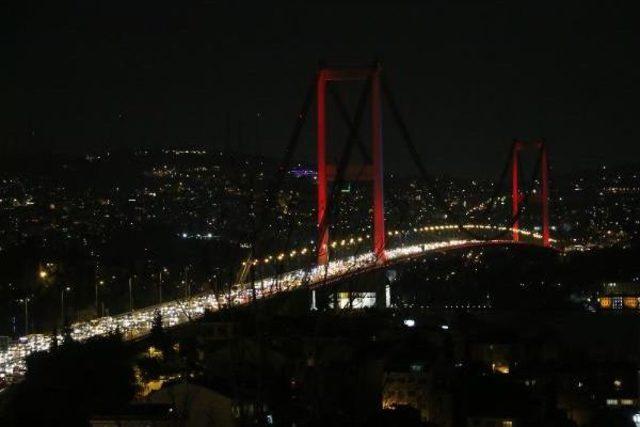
{"type": "Point", "coordinates": [469, 77]}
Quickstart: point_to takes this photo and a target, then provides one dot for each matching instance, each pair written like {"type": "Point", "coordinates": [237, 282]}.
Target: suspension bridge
{"type": "Point", "coordinates": [325, 265]}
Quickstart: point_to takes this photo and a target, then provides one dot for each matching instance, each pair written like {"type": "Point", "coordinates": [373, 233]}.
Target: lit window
{"type": "Point", "coordinates": [605, 302]}
{"type": "Point", "coordinates": [499, 367]}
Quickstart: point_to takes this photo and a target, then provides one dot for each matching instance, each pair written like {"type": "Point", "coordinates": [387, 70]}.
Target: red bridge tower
{"type": "Point", "coordinates": [517, 195]}
{"type": "Point", "coordinates": [373, 172]}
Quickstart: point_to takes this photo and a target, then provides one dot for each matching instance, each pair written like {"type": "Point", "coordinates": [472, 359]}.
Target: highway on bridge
{"type": "Point", "coordinates": [138, 323]}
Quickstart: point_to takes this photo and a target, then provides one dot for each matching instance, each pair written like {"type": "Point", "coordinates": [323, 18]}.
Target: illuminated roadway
{"type": "Point", "coordinates": [137, 324]}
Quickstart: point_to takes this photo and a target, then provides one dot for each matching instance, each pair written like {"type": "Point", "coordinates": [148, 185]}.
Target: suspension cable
{"type": "Point", "coordinates": [430, 181]}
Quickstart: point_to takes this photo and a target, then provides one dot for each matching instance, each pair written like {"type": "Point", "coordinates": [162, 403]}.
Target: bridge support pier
{"type": "Point", "coordinates": [387, 296]}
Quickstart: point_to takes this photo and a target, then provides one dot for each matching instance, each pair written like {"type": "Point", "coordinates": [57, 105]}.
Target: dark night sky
{"type": "Point", "coordinates": [469, 76]}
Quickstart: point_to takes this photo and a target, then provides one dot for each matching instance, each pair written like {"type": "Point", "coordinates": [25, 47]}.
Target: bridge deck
{"type": "Point", "coordinates": [138, 323]}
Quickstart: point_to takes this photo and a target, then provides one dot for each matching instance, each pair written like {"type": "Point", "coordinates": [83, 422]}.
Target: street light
{"type": "Point", "coordinates": [62, 312]}
{"type": "Point", "coordinates": [187, 288]}
{"type": "Point", "coordinates": [25, 301]}
{"type": "Point", "coordinates": [130, 295]}
{"type": "Point", "coordinates": [101, 283]}
{"type": "Point", "coordinates": [164, 269]}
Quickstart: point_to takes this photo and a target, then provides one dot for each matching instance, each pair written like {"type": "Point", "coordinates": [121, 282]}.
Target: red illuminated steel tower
{"type": "Point", "coordinates": [516, 194]}
{"type": "Point", "coordinates": [373, 172]}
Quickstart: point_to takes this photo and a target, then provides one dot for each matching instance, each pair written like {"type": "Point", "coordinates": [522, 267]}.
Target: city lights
{"type": "Point", "coordinates": [205, 222]}
{"type": "Point", "coordinates": [352, 241]}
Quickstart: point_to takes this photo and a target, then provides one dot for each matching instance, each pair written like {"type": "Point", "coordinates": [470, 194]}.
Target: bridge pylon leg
{"type": "Point", "coordinates": [515, 190]}
{"type": "Point", "coordinates": [544, 165]}
{"type": "Point", "coordinates": [323, 230]}
{"type": "Point", "coordinates": [379, 234]}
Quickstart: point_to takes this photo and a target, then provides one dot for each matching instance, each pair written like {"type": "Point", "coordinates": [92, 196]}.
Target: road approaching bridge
{"type": "Point", "coordinates": [138, 323]}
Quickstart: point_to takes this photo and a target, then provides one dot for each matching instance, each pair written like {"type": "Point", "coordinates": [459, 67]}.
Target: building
{"type": "Point", "coordinates": [619, 296]}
